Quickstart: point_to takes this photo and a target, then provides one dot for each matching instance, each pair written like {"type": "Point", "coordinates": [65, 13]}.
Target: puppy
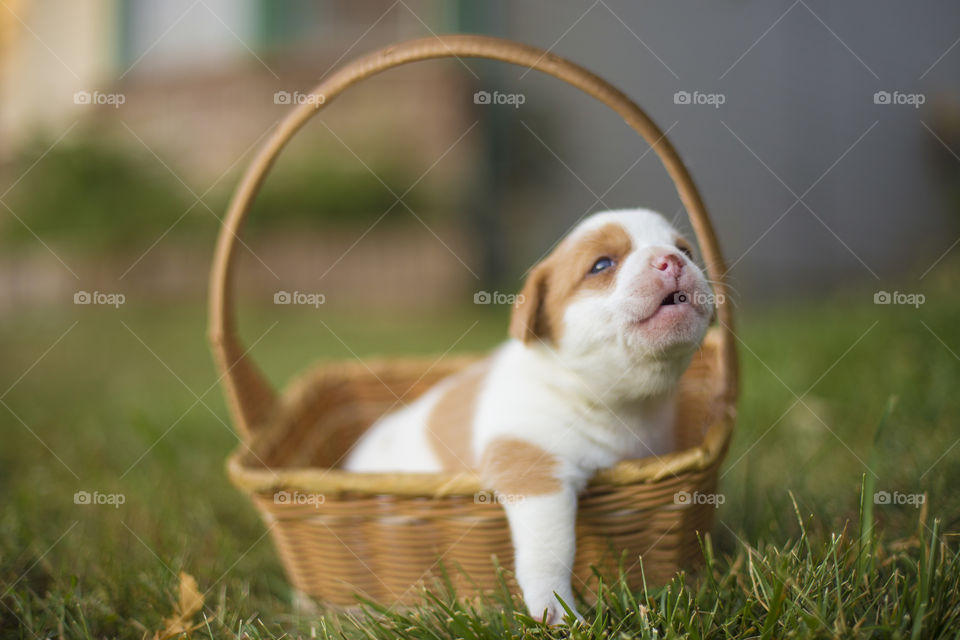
{"type": "Point", "coordinates": [600, 334]}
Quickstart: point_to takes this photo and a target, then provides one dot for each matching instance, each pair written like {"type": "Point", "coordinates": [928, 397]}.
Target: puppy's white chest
{"type": "Point", "coordinates": [645, 430]}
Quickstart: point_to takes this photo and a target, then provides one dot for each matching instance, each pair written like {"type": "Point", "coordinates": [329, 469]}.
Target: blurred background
{"type": "Point", "coordinates": [824, 138]}
{"type": "Point", "coordinates": [125, 125]}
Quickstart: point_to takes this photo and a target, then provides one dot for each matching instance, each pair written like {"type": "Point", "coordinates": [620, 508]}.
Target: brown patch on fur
{"type": "Point", "coordinates": [698, 403]}
{"type": "Point", "coordinates": [519, 468]}
{"type": "Point", "coordinates": [538, 314]}
{"type": "Point", "coordinates": [450, 423]}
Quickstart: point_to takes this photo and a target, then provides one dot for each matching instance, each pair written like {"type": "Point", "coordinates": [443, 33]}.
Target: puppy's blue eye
{"type": "Point", "coordinates": [601, 265]}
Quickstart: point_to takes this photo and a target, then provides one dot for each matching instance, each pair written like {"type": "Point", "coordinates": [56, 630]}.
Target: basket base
{"type": "Point", "coordinates": [338, 549]}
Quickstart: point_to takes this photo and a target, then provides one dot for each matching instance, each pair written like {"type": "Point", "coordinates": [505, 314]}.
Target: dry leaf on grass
{"type": "Point", "coordinates": [186, 607]}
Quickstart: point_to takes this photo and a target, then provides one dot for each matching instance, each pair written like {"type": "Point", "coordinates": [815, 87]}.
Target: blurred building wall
{"type": "Point", "coordinates": [49, 50]}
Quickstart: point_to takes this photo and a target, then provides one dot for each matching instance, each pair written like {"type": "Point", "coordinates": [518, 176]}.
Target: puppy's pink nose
{"type": "Point", "coordinates": [670, 263]}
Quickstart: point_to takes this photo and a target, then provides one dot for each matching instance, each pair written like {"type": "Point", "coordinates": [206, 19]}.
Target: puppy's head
{"type": "Point", "coordinates": [621, 288]}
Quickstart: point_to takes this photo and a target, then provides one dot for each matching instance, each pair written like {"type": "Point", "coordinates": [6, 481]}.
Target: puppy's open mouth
{"type": "Point", "coordinates": [672, 299]}
{"type": "Point", "coordinates": [675, 297]}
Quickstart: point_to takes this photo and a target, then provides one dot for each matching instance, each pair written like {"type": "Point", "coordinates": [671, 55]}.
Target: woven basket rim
{"type": "Point", "coordinates": [337, 481]}
{"type": "Point", "coordinates": [257, 478]}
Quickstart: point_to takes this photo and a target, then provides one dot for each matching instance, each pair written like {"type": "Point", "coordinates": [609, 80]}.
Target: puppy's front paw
{"type": "Point", "coordinates": [554, 610]}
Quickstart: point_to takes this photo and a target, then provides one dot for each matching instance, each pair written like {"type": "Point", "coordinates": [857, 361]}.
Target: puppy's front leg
{"type": "Point", "coordinates": [544, 541]}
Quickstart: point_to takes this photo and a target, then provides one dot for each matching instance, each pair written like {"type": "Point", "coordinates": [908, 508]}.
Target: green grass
{"type": "Point", "coordinates": [796, 549]}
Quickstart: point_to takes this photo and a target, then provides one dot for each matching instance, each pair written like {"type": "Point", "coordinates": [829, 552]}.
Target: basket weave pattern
{"type": "Point", "coordinates": [381, 534]}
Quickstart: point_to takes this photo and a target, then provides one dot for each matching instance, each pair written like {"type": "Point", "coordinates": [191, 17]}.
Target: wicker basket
{"type": "Point", "coordinates": [379, 535]}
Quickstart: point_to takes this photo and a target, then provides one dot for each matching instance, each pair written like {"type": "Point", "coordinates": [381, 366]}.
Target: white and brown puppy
{"type": "Point", "coordinates": [601, 333]}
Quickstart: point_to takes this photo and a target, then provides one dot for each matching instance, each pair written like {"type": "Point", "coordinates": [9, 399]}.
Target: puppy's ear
{"type": "Point", "coordinates": [529, 321]}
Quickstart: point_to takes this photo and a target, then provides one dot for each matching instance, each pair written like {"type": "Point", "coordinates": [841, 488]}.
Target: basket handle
{"type": "Point", "coordinates": [250, 396]}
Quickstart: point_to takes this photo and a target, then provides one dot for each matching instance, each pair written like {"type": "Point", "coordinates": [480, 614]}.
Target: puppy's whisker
{"type": "Point", "coordinates": [734, 293]}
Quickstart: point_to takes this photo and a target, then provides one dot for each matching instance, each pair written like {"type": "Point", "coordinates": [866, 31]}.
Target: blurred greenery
{"type": "Point", "coordinates": [323, 192]}
{"type": "Point", "coordinates": [94, 194]}
{"type": "Point", "coordinates": [114, 407]}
